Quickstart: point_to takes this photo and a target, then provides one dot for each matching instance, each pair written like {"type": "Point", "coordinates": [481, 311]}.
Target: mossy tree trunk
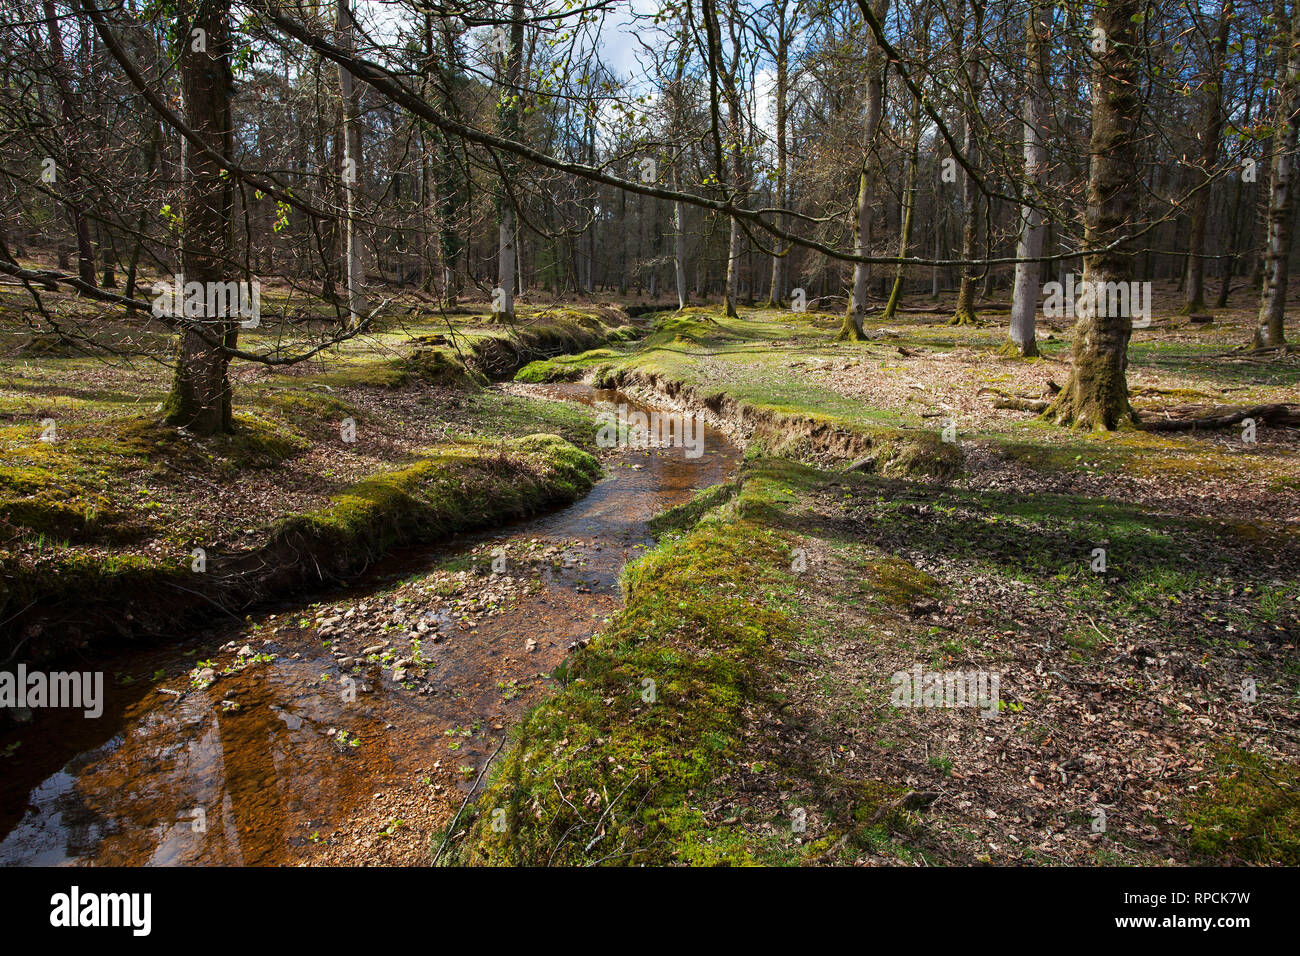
{"type": "Point", "coordinates": [1096, 394]}
{"type": "Point", "coordinates": [1277, 249]}
{"type": "Point", "coordinates": [200, 397]}
{"type": "Point", "coordinates": [965, 311]}
{"type": "Point", "coordinates": [855, 313]}
{"type": "Point", "coordinates": [1033, 229]}
{"type": "Point", "coordinates": [1211, 129]}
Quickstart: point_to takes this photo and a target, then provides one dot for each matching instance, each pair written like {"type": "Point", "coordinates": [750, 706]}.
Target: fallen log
{"type": "Point", "coordinates": [1274, 414]}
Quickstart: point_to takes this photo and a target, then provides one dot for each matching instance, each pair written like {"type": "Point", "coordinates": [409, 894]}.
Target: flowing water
{"type": "Point", "coordinates": [248, 770]}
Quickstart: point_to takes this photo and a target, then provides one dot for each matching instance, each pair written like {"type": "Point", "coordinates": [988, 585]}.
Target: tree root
{"type": "Point", "coordinates": [1020, 403]}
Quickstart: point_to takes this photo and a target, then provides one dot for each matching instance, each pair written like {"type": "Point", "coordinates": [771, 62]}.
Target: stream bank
{"type": "Point", "coordinates": [247, 729]}
{"type": "Point", "coordinates": [119, 524]}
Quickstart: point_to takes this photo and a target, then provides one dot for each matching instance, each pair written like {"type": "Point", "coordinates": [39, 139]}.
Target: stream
{"type": "Point", "coordinates": [252, 769]}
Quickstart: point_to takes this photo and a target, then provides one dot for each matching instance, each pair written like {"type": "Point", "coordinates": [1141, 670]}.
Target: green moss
{"type": "Point", "coordinates": [565, 368]}
{"type": "Point", "coordinates": [427, 365]}
{"type": "Point", "coordinates": [301, 405]}
{"type": "Point", "coordinates": [913, 454]}
{"type": "Point", "coordinates": [258, 442]}
{"type": "Point", "coordinates": [685, 516]}
{"type": "Point", "coordinates": [439, 367]}
{"type": "Point", "coordinates": [458, 487]}
{"type": "Point", "coordinates": [1250, 813]}
{"type": "Point", "coordinates": [899, 582]}
{"type": "Point", "coordinates": [697, 633]}
{"type": "Point", "coordinates": [682, 329]}
{"type": "Point", "coordinates": [370, 373]}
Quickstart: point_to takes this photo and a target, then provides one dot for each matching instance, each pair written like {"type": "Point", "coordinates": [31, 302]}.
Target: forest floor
{"type": "Point", "coordinates": [96, 494]}
{"type": "Point", "coordinates": [1148, 709]}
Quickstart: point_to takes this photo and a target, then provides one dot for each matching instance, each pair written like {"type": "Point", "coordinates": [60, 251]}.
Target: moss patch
{"type": "Point", "coordinates": [651, 716]}
{"type": "Point", "coordinates": [565, 368]}
{"type": "Point", "coordinates": [458, 487]}
{"type": "Point", "coordinates": [1251, 812]}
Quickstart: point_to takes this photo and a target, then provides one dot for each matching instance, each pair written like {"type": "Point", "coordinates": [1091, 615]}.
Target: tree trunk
{"type": "Point", "coordinates": [508, 109]}
{"type": "Point", "coordinates": [73, 192]}
{"type": "Point", "coordinates": [776, 290]}
{"type": "Point", "coordinates": [200, 398]}
{"type": "Point", "coordinates": [352, 170]}
{"type": "Point", "coordinates": [734, 145]}
{"type": "Point", "coordinates": [965, 312]}
{"type": "Point", "coordinates": [1024, 295]}
{"type": "Point", "coordinates": [1277, 254]}
{"type": "Point", "coordinates": [909, 211]}
{"type": "Point", "coordinates": [1096, 394]}
{"type": "Point", "coordinates": [1211, 128]}
{"type": "Point", "coordinates": [679, 246]}
{"type": "Point", "coordinates": [851, 328]}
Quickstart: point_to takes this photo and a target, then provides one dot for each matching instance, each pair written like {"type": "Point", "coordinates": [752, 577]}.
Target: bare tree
{"type": "Point", "coordinates": [1210, 130]}
{"type": "Point", "coordinates": [1029, 245]}
{"type": "Point", "coordinates": [352, 170]}
{"type": "Point", "coordinates": [1277, 249]}
{"type": "Point", "coordinates": [851, 328]}
{"type": "Point", "coordinates": [1096, 394]}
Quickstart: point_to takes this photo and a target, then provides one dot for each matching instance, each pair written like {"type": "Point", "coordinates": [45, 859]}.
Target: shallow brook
{"type": "Point", "coordinates": [254, 768]}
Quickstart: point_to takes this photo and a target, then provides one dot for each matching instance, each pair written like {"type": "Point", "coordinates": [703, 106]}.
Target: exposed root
{"type": "Point", "coordinates": [1021, 403]}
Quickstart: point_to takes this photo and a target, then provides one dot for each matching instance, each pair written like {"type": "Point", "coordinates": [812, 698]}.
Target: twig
{"type": "Point", "coordinates": [451, 827]}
